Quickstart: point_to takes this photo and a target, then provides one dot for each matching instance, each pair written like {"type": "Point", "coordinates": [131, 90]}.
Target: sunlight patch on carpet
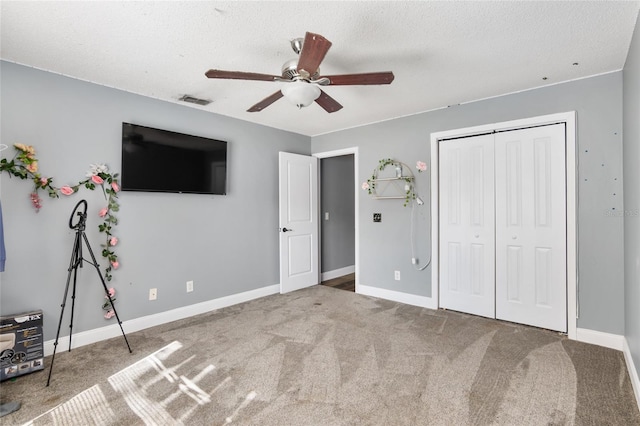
{"type": "Point", "coordinates": [88, 407]}
{"type": "Point", "coordinates": [152, 388]}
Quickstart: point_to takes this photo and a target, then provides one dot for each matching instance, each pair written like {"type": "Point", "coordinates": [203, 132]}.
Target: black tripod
{"type": "Point", "coordinates": [74, 264]}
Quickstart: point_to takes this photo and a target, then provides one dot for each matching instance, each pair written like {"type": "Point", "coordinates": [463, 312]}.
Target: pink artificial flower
{"type": "Point", "coordinates": [115, 186]}
{"type": "Point", "coordinates": [36, 201]}
{"type": "Point", "coordinates": [115, 264]}
{"type": "Point", "coordinates": [67, 190]}
{"type": "Point", "coordinates": [33, 167]}
{"type": "Point", "coordinates": [112, 292]}
{"type": "Point", "coordinates": [113, 241]}
{"type": "Point", "coordinates": [421, 166]}
{"type": "Point", "coordinates": [97, 180]}
{"type": "Point", "coordinates": [365, 185]}
{"type": "Point", "coordinates": [21, 146]}
{"type": "Point", "coordinates": [44, 181]}
{"type": "Point", "coordinates": [109, 314]}
{"type": "Point", "coordinates": [103, 212]}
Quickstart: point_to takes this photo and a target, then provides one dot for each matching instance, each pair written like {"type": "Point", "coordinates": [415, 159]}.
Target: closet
{"type": "Point", "coordinates": [503, 227]}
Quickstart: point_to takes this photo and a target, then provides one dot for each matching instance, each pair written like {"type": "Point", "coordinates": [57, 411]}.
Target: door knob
{"type": "Point", "coordinates": [477, 236]}
{"type": "Point", "coordinates": [515, 237]}
{"type": "Point", "coordinates": [286, 230]}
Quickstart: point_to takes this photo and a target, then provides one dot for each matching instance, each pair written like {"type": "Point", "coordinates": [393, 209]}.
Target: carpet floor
{"type": "Point", "coordinates": [322, 356]}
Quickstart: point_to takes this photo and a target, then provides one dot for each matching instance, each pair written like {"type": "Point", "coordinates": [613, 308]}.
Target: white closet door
{"type": "Point", "coordinates": [467, 233]}
{"type": "Point", "coordinates": [531, 283]}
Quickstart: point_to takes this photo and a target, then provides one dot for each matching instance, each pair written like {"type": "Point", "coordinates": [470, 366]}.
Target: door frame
{"type": "Point", "coordinates": [569, 119]}
{"type": "Point", "coordinates": [338, 153]}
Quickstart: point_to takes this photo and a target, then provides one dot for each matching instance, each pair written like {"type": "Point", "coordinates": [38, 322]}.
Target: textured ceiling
{"type": "Point", "coordinates": [442, 53]}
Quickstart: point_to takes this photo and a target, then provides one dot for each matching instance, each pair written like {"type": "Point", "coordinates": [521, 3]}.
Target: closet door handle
{"type": "Point", "coordinates": [515, 237]}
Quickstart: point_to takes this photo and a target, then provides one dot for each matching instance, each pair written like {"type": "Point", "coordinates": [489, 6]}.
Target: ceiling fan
{"type": "Point", "coordinates": [303, 78]}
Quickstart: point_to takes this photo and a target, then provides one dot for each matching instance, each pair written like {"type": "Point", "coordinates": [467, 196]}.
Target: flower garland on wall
{"type": "Point", "coordinates": [370, 184]}
{"type": "Point", "coordinates": [24, 165]}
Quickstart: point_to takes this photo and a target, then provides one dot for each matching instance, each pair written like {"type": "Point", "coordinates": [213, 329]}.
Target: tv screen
{"type": "Point", "coordinates": [155, 160]}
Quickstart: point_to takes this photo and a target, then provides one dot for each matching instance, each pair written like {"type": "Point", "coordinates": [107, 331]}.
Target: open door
{"type": "Point", "coordinates": [298, 221]}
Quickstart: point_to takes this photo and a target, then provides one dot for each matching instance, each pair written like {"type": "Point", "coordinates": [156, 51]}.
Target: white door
{"type": "Point", "coordinates": [467, 233]}
{"type": "Point", "coordinates": [298, 221]}
{"type": "Point", "coordinates": [531, 227]}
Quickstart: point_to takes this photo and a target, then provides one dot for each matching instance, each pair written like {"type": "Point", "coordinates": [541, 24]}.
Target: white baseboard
{"type": "Point", "coordinates": [329, 275]}
{"type": "Point", "coordinates": [396, 296]}
{"type": "Point", "coordinates": [608, 340]}
{"type": "Point", "coordinates": [633, 372]}
{"type": "Point", "coordinates": [137, 324]}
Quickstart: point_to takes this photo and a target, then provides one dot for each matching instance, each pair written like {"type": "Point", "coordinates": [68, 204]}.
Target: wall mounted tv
{"type": "Point", "coordinates": [155, 160]}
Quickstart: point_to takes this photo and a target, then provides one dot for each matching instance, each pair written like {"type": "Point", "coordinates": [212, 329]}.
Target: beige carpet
{"type": "Point", "coordinates": [323, 356]}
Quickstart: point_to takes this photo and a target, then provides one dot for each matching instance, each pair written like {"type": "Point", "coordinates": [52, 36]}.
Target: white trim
{"type": "Point", "coordinates": [356, 174]}
{"type": "Point", "coordinates": [137, 324]}
{"type": "Point", "coordinates": [396, 296]}
{"type": "Point", "coordinates": [608, 340]}
{"type": "Point", "coordinates": [435, 220]}
{"type": "Point", "coordinates": [633, 372]}
{"type": "Point", "coordinates": [572, 208]}
{"type": "Point", "coordinates": [336, 153]}
{"type": "Point", "coordinates": [336, 273]}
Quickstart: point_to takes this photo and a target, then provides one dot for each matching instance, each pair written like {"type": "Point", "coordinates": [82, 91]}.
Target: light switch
{"type": "Point", "coordinates": [326, 215]}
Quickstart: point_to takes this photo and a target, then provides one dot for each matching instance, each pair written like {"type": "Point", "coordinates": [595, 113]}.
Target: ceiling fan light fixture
{"type": "Point", "coordinates": [301, 93]}
{"type": "Point", "coordinates": [302, 77]}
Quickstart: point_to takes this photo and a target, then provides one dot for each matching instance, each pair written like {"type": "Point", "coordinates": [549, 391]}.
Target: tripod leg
{"type": "Point", "coordinates": [73, 267]}
{"type": "Point", "coordinates": [73, 301]}
{"type": "Point", "coordinates": [106, 290]}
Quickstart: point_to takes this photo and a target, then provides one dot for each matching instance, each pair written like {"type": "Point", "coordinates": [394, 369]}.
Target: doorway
{"type": "Point", "coordinates": [442, 292]}
{"type": "Point", "coordinates": [503, 227]}
{"type": "Point", "coordinates": [338, 213]}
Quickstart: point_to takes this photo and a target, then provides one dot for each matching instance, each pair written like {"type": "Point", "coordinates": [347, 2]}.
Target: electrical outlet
{"type": "Point", "coordinates": [153, 293]}
{"type": "Point", "coordinates": [396, 275]}
{"type": "Point", "coordinates": [189, 286]}
{"type": "Point", "coordinates": [326, 215]}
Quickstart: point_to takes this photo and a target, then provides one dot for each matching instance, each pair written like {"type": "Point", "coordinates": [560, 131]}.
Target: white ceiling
{"type": "Point", "coordinates": [441, 52]}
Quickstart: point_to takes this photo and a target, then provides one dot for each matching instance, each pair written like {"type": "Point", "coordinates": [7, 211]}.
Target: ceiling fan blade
{"type": "Point", "coordinates": [360, 79]}
{"type": "Point", "coordinates": [239, 75]}
{"type": "Point", "coordinates": [328, 103]}
{"type": "Point", "coordinates": [314, 48]}
{"type": "Point", "coordinates": [265, 102]}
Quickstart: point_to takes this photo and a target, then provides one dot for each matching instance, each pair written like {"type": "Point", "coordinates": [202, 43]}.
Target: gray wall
{"type": "Point", "coordinates": [73, 124]}
{"type": "Point", "coordinates": [385, 247]}
{"type": "Point", "coordinates": [632, 198]}
{"type": "Point", "coordinates": [337, 198]}
{"type": "Point", "coordinates": [225, 244]}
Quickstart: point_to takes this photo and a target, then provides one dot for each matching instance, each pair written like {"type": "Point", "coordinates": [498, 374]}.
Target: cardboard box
{"type": "Point", "coordinates": [21, 344]}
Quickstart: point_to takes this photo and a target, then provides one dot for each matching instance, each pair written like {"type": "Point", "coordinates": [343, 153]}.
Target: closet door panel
{"type": "Point", "coordinates": [530, 222]}
{"type": "Point", "coordinates": [467, 232]}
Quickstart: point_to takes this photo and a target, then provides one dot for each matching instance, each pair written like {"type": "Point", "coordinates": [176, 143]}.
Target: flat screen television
{"type": "Point", "coordinates": [155, 160]}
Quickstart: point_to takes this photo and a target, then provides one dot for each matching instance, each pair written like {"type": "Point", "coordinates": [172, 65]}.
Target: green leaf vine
{"type": "Point", "coordinates": [370, 184]}
{"type": "Point", "coordinates": [24, 165]}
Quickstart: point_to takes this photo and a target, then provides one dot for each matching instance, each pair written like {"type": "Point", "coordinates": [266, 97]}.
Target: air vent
{"type": "Point", "coordinates": [193, 100]}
